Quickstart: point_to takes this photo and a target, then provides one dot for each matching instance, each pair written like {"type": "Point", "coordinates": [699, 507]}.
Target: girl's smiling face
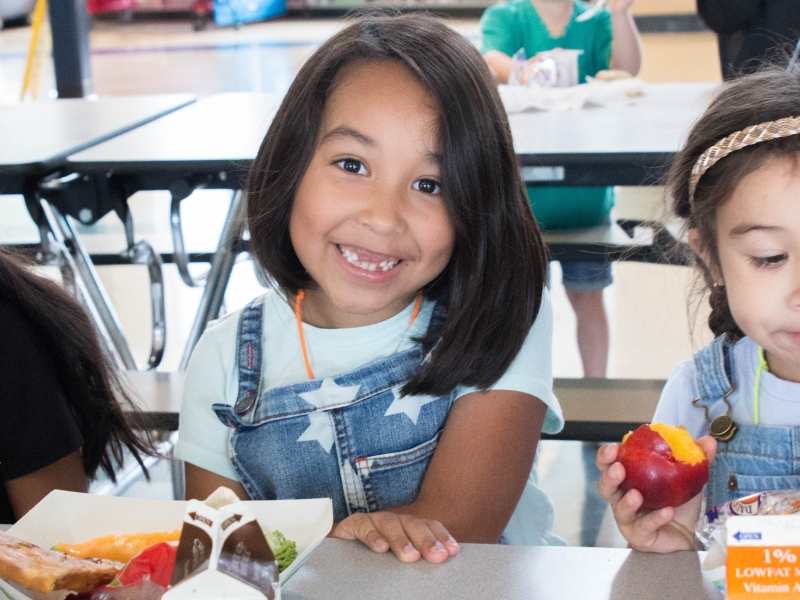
{"type": "Point", "coordinates": [758, 239]}
{"type": "Point", "coordinates": [369, 222]}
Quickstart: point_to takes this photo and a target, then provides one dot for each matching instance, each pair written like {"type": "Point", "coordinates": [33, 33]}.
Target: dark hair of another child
{"type": "Point", "coordinates": [91, 384]}
{"type": "Point", "coordinates": [767, 95]}
{"type": "Point", "coordinates": [492, 287]}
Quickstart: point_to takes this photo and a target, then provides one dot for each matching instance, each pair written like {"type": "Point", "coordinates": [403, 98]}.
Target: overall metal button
{"type": "Point", "coordinates": [244, 404]}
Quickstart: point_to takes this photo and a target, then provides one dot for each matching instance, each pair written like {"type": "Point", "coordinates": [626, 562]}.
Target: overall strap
{"type": "Point", "coordinates": [250, 353]}
{"type": "Point", "coordinates": [438, 317]}
{"type": "Point", "coordinates": [714, 370]}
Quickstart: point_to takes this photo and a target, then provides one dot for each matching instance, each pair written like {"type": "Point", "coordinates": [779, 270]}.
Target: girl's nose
{"type": "Point", "coordinates": [382, 211]}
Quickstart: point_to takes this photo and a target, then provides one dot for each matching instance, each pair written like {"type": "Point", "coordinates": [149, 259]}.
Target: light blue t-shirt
{"type": "Point", "coordinates": [778, 399]}
{"type": "Point", "coordinates": [212, 377]}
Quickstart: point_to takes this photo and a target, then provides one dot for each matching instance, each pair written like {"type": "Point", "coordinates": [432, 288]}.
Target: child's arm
{"type": "Point", "coordinates": [665, 530]}
{"type": "Point", "coordinates": [26, 491]}
{"type": "Point", "coordinates": [472, 486]}
{"type": "Point", "coordinates": [626, 48]}
{"type": "Point", "coordinates": [499, 63]}
{"type": "Point", "coordinates": [200, 484]}
{"type": "Point", "coordinates": [502, 37]}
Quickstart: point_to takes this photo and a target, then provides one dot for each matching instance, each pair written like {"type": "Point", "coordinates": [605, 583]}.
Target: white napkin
{"type": "Point", "coordinates": [519, 98]}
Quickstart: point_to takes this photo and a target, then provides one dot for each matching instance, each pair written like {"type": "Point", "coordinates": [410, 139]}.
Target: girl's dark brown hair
{"type": "Point", "coordinates": [767, 95]}
{"type": "Point", "coordinates": [492, 287]}
{"type": "Point", "coordinates": [90, 382]}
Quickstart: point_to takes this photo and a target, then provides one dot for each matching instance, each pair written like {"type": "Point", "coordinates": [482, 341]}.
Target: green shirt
{"type": "Point", "coordinates": [509, 26]}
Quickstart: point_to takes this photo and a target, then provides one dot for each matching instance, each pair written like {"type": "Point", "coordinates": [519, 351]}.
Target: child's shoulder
{"type": "Point", "coordinates": [743, 352]}
{"type": "Point", "coordinates": [226, 328]}
{"type": "Point", "coordinates": [683, 377]}
{"type": "Point", "coordinates": [705, 376]}
{"type": "Point", "coordinates": [509, 9]}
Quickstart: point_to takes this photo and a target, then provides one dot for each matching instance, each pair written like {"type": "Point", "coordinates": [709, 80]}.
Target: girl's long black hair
{"type": "Point", "coordinates": [91, 384]}
{"type": "Point", "coordinates": [493, 285]}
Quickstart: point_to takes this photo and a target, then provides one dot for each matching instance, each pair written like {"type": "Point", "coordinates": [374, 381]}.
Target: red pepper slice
{"type": "Point", "coordinates": [157, 561]}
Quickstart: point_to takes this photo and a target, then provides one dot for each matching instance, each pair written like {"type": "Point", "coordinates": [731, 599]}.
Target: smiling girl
{"type": "Point", "coordinates": [737, 184]}
{"type": "Point", "coordinates": [401, 365]}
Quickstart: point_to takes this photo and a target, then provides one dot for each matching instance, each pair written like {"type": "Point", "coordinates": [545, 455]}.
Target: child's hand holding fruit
{"type": "Point", "coordinates": [656, 500]}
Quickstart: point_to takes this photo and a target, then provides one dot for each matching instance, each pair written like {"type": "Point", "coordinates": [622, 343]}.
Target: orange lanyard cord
{"type": "Point", "coordinates": [417, 306]}
{"type": "Point", "coordinates": [302, 294]}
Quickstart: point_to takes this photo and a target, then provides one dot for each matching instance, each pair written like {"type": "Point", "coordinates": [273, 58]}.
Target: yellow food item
{"type": "Point", "coordinates": [683, 446]}
{"type": "Point", "coordinates": [120, 547]}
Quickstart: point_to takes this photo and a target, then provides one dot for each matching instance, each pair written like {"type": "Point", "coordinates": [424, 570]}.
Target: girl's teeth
{"type": "Point", "coordinates": [352, 258]}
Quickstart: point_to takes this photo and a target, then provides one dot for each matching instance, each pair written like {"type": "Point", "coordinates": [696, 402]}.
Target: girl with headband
{"type": "Point", "coordinates": [737, 186]}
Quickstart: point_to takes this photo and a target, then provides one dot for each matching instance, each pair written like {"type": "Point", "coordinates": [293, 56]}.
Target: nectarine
{"type": "Point", "coordinates": [664, 463]}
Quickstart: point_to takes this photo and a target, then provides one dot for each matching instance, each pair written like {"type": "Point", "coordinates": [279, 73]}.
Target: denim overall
{"type": "Point", "coordinates": [759, 457]}
{"type": "Point", "coordinates": [351, 437]}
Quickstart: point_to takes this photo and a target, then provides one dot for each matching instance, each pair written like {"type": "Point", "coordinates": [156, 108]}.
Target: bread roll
{"type": "Point", "coordinates": [612, 74]}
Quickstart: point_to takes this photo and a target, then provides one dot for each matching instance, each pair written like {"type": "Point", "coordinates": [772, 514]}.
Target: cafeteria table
{"type": "Point", "coordinates": [626, 144]}
{"type": "Point", "coordinates": [347, 569]}
{"type": "Point", "coordinates": [37, 138]}
{"type": "Point", "coordinates": [629, 144]}
{"type": "Point", "coordinates": [211, 144]}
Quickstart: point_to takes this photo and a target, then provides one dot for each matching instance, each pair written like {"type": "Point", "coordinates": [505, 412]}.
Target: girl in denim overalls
{"type": "Point", "coordinates": [401, 364]}
{"type": "Point", "coordinates": [737, 184]}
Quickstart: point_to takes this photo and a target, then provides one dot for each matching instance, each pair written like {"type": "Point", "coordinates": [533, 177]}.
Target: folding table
{"type": "Point", "coordinates": [209, 144]}
{"type": "Point", "coordinates": [348, 569]}
{"type": "Point", "coordinates": [37, 137]}
{"type": "Point", "coordinates": [629, 144]}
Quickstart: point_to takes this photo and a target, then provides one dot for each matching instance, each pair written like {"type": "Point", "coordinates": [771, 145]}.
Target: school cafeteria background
{"type": "Point", "coordinates": [145, 51]}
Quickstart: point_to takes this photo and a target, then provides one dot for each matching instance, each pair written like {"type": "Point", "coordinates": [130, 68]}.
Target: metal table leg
{"type": "Point", "coordinates": [178, 478]}
{"type": "Point", "coordinates": [221, 267]}
{"type": "Point", "coordinates": [88, 283]}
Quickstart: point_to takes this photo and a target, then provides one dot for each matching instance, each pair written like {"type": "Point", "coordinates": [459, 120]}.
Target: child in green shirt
{"type": "Point", "coordinates": [609, 39]}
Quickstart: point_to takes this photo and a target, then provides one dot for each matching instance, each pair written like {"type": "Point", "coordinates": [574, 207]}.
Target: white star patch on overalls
{"type": "Point", "coordinates": [320, 428]}
{"type": "Point", "coordinates": [407, 405]}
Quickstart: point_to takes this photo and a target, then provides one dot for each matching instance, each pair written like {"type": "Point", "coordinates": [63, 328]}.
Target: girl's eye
{"type": "Point", "coordinates": [351, 165]}
{"type": "Point", "coordinates": [769, 261]}
{"type": "Point", "coordinates": [427, 186]}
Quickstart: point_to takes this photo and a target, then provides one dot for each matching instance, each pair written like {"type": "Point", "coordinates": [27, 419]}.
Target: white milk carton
{"type": "Point", "coordinates": [566, 65]}
{"type": "Point", "coordinates": [223, 554]}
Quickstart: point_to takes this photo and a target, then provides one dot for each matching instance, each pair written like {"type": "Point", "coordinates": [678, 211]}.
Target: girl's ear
{"type": "Point", "coordinates": [702, 251]}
